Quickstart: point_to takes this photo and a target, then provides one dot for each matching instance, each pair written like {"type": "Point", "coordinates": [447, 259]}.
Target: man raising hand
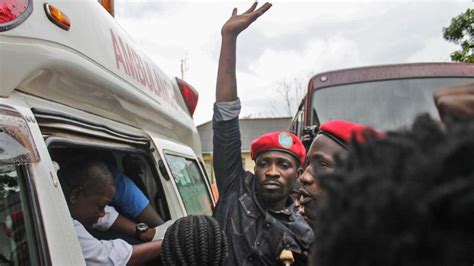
{"type": "Point", "coordinates": [256, 211]}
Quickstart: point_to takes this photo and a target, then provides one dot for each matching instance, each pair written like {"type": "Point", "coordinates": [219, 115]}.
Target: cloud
{"type": "Point", "coordinates": [293, 39]}
{"type": "Point", "coordinates": [140, 9]}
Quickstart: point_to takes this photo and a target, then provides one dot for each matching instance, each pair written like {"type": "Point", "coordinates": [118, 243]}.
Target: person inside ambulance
{"type": "Point", "coordinates": [89, 188]}
{"type": "Point", "coordinates": [134, 168]}
{"type": "Point", "coordinates": [129, 200]}
{"type": "Point", "coordinates": [331, 141]}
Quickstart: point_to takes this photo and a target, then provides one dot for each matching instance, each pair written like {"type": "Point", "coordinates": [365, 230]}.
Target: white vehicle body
{"type": "Point", "coordinates": [89, 87]}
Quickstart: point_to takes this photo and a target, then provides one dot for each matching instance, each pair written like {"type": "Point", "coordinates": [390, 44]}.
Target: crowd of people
{"type": "Point", "coordinates": [357, 196]}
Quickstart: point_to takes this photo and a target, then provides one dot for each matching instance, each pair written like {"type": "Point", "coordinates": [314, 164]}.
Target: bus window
{"type": "Point", "coordinates": [385, 105]}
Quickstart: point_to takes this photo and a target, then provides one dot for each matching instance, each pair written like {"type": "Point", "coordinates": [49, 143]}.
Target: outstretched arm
{"type": "Point", "coordinates": [145, 252]}
{"type": "Point", "coordinates": [226, 138]}
{"type": "Point", "coordinates": [150, 216]}
{"type": "Point", "coordinates": [226, 88]}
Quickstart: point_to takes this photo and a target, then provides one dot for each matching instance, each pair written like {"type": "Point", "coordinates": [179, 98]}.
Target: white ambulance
{"type": "Point", "coordinates": [71, 81]}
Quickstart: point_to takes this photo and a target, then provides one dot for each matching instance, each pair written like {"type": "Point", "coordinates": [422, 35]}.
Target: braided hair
{"type": "Point", "coordinates": [406, 199]}
{"type": "Point", "coordinates": [194, 240]}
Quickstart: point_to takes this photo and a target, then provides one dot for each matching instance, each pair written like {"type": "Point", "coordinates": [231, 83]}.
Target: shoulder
{"type": "Point", "coordinates": [301, 229]}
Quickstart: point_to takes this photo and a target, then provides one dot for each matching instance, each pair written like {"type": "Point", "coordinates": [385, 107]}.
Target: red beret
{"type": "Point", "coordinates": [283, 141]}
{"type": "Point", "coordinates": [342, 131]}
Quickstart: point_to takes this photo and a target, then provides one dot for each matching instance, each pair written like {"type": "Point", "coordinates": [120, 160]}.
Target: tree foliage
{"type": "Point", "coordinates": [461, 32]}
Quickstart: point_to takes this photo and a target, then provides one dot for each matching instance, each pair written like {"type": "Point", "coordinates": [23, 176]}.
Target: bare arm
{"type": "Point", "coordinates": [226, 138]}
{"type": "Point", "coordinates": [125, 226]}
{"type": "Point", "coordinates": [150, 217]}
{"type": "Point", "coordinates": [145, 252]}
{"type": "Point", "coordinates": [226, 88]}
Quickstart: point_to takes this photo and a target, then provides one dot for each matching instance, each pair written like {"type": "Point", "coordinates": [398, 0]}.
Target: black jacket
{"type": "Point", "coordinates": [256, 236]}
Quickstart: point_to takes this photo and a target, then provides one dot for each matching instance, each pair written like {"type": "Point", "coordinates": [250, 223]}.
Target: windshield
{"type": "Point", "coordinates": [384, 105]}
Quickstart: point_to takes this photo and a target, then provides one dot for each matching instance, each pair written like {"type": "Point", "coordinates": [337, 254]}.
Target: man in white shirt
{"type": "Point", "coordinates": [89, 188]}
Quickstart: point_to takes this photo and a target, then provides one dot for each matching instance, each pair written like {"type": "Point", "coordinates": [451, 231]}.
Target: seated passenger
{"type": "Point", "coordinates": [128, 200]}
{"type": "Point", "coordinates": [135, 168]}
{"type": "Point", "coordinates": [89, 187]}
{"type": "Point", "coordinates": [132, 202]}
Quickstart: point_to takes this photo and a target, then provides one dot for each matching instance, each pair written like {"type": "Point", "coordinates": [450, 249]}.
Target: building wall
{"type": "Point", "coordinates": [207, 157]}
{"type": "Point", "coordinates": [247, 162]}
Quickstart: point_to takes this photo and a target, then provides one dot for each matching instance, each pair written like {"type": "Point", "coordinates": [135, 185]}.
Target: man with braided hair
{"type": "Point", "coordinates": [194, 240]}
{"type": "Point", "coordinates": [405, 199]}
{"type": "Point", "coordinates": [255, 211]}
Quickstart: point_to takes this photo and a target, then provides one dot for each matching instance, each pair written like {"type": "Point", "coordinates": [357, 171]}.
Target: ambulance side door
{"type": "Point", "coordinates": [186, 187]}
{"type": "Point", "coordinates": [35, 223]}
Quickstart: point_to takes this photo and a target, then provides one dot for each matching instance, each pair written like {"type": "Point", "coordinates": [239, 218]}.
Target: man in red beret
{"type": "Point", "coordinates": [255, 210]}
{"type": "Point", "coordinates": [331, 141]}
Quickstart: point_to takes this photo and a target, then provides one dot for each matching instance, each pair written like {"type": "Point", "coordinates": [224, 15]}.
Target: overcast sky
{"type": "Point", "coordinates": [294, 39]}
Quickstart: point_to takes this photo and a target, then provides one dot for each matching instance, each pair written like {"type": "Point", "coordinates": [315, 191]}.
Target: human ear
{"type": "Point", "coordinates": [74, 194]}
{"type": "Point", "coordinates": [299, 172]}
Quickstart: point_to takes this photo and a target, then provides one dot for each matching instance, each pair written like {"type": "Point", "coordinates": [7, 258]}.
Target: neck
{"type": "Point", "coordinates": [273, 205]}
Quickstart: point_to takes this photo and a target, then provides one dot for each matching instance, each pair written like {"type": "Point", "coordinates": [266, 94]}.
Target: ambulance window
{"type": "Point", "coordinates": [191, 184]}
{"type": "Point", "coordinates": [16, 236]}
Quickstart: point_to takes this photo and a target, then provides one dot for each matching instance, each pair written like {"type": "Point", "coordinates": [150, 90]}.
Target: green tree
{"type": "Point", "coordinates": [461, 32]}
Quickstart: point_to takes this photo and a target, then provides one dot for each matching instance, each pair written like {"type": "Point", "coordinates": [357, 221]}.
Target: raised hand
{"type": "Point", "coordinates": [226, 87]}
{"type": "Point", "coordinates": [237, 23]}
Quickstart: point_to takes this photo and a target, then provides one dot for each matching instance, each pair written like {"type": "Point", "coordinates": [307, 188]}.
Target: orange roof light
{"type": "Point", "coordinates": [57, 16]}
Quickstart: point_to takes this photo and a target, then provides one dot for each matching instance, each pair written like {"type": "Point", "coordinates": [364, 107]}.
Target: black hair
{"type": "Point", "coordinates": [92, 175]}
{"type": "Point", "coordinates": [194, 240]}
{"type": "Point", "coordinates": [132, 164]}
{"type": "Point", "coordinates": [405, 199]}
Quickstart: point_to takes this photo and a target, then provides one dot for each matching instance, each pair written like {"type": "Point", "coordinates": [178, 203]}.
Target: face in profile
{"type": "Point", "coordinates": [276, 172]}
{"type": "Point", "coordinates": [320, 160]}
{"type": "Point", "coordinates": [87, 205]}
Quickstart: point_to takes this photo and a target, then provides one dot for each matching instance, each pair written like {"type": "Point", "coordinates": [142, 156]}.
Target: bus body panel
{"type": "Point", "coordinates": [347, 81]}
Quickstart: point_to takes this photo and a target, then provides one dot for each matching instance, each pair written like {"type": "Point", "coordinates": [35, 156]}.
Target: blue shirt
{"type": "Point", "coordinates": [128, 198]}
